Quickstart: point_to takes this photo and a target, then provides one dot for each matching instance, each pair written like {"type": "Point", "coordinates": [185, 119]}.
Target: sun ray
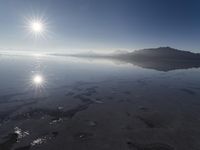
{"type": "Point", "coordinates": [37, 27]}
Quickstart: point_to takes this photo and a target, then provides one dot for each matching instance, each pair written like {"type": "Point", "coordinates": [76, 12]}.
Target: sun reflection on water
{"type": "Point", "coordinates": [38, 79]}
{"type": "Point", "coordinates": [38, 84]}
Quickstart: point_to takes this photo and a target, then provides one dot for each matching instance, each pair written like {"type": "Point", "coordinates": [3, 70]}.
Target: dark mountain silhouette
{"type": "Point", "coordinates": [162, 58]}
{"type": "Point", "coordinates": [162, 53]}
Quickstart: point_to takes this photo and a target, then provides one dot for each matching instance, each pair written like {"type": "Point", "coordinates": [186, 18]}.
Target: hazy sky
{"type": "Point", "coordinates": [75, 25]}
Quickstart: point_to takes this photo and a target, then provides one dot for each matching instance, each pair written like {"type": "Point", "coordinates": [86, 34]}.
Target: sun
{"type": "Point", "coordinates": [37, 26]}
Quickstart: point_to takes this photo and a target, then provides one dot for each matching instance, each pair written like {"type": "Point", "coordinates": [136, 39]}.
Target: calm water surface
{"type": "Point", "coordinates": [47, 101]}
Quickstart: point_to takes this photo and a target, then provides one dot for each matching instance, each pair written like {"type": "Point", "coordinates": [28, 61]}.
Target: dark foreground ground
{"type": "Point", "coordinates": [118, 115]}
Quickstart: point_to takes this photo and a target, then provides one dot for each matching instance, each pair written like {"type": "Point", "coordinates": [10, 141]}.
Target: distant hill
{"type": "Point", "coordinates": [162, 58]}
{"type": "Point", "coordinates": [161, 53]}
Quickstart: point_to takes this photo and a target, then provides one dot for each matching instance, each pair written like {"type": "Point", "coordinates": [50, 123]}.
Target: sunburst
{"type": "Point", "coordinates": [37, 27]}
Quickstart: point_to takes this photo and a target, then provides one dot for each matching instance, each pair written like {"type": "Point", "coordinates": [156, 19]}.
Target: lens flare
{"type": "Point", "coordinates": [36, 26]}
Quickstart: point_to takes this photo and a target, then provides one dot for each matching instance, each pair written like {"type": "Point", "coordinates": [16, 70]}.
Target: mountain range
{"type": "Point", "coordinates": [161, 58]}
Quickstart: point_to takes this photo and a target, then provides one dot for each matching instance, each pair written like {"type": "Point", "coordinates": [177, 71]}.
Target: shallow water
{"type": "Point", "coordinates": [96, 104]}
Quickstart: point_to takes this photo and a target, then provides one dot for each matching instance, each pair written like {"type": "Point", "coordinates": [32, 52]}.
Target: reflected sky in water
{"type": "Point", "coordinates": [64, 94]}
{"type": "Point", "coordinates": [23, 71]}
{"type": "Point", "coordinates": [42, 71]}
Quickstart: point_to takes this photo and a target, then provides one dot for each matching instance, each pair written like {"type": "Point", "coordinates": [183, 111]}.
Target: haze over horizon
{"type": "Point", "coordinates": [84, 25]}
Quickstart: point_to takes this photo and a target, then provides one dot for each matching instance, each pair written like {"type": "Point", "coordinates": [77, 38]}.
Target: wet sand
{"type": "Point", "coordinates": [138, 115]}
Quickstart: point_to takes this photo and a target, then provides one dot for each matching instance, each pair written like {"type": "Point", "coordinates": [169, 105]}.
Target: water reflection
{"type": "Point", "coordinates": [38, 79]}
{"type": "Point", "coordinates": [64, 95]}
{"type": "Point", "coordinates": [159, 64]}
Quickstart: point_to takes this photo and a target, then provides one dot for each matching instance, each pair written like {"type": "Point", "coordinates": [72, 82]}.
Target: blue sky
{"type": "Point", "coordinates": [104, 25]}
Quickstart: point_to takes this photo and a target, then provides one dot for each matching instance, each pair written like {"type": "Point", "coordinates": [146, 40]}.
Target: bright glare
{"type": "Point", "coordinates": [37, 26]}
{"type": "Point", "coordinates": [37, 55]}
{"type": "Point", "coordinates": [38, 79]}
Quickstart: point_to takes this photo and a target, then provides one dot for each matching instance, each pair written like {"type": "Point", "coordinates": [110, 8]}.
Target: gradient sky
{"type": "Point", "coordinates": [84, 25]}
